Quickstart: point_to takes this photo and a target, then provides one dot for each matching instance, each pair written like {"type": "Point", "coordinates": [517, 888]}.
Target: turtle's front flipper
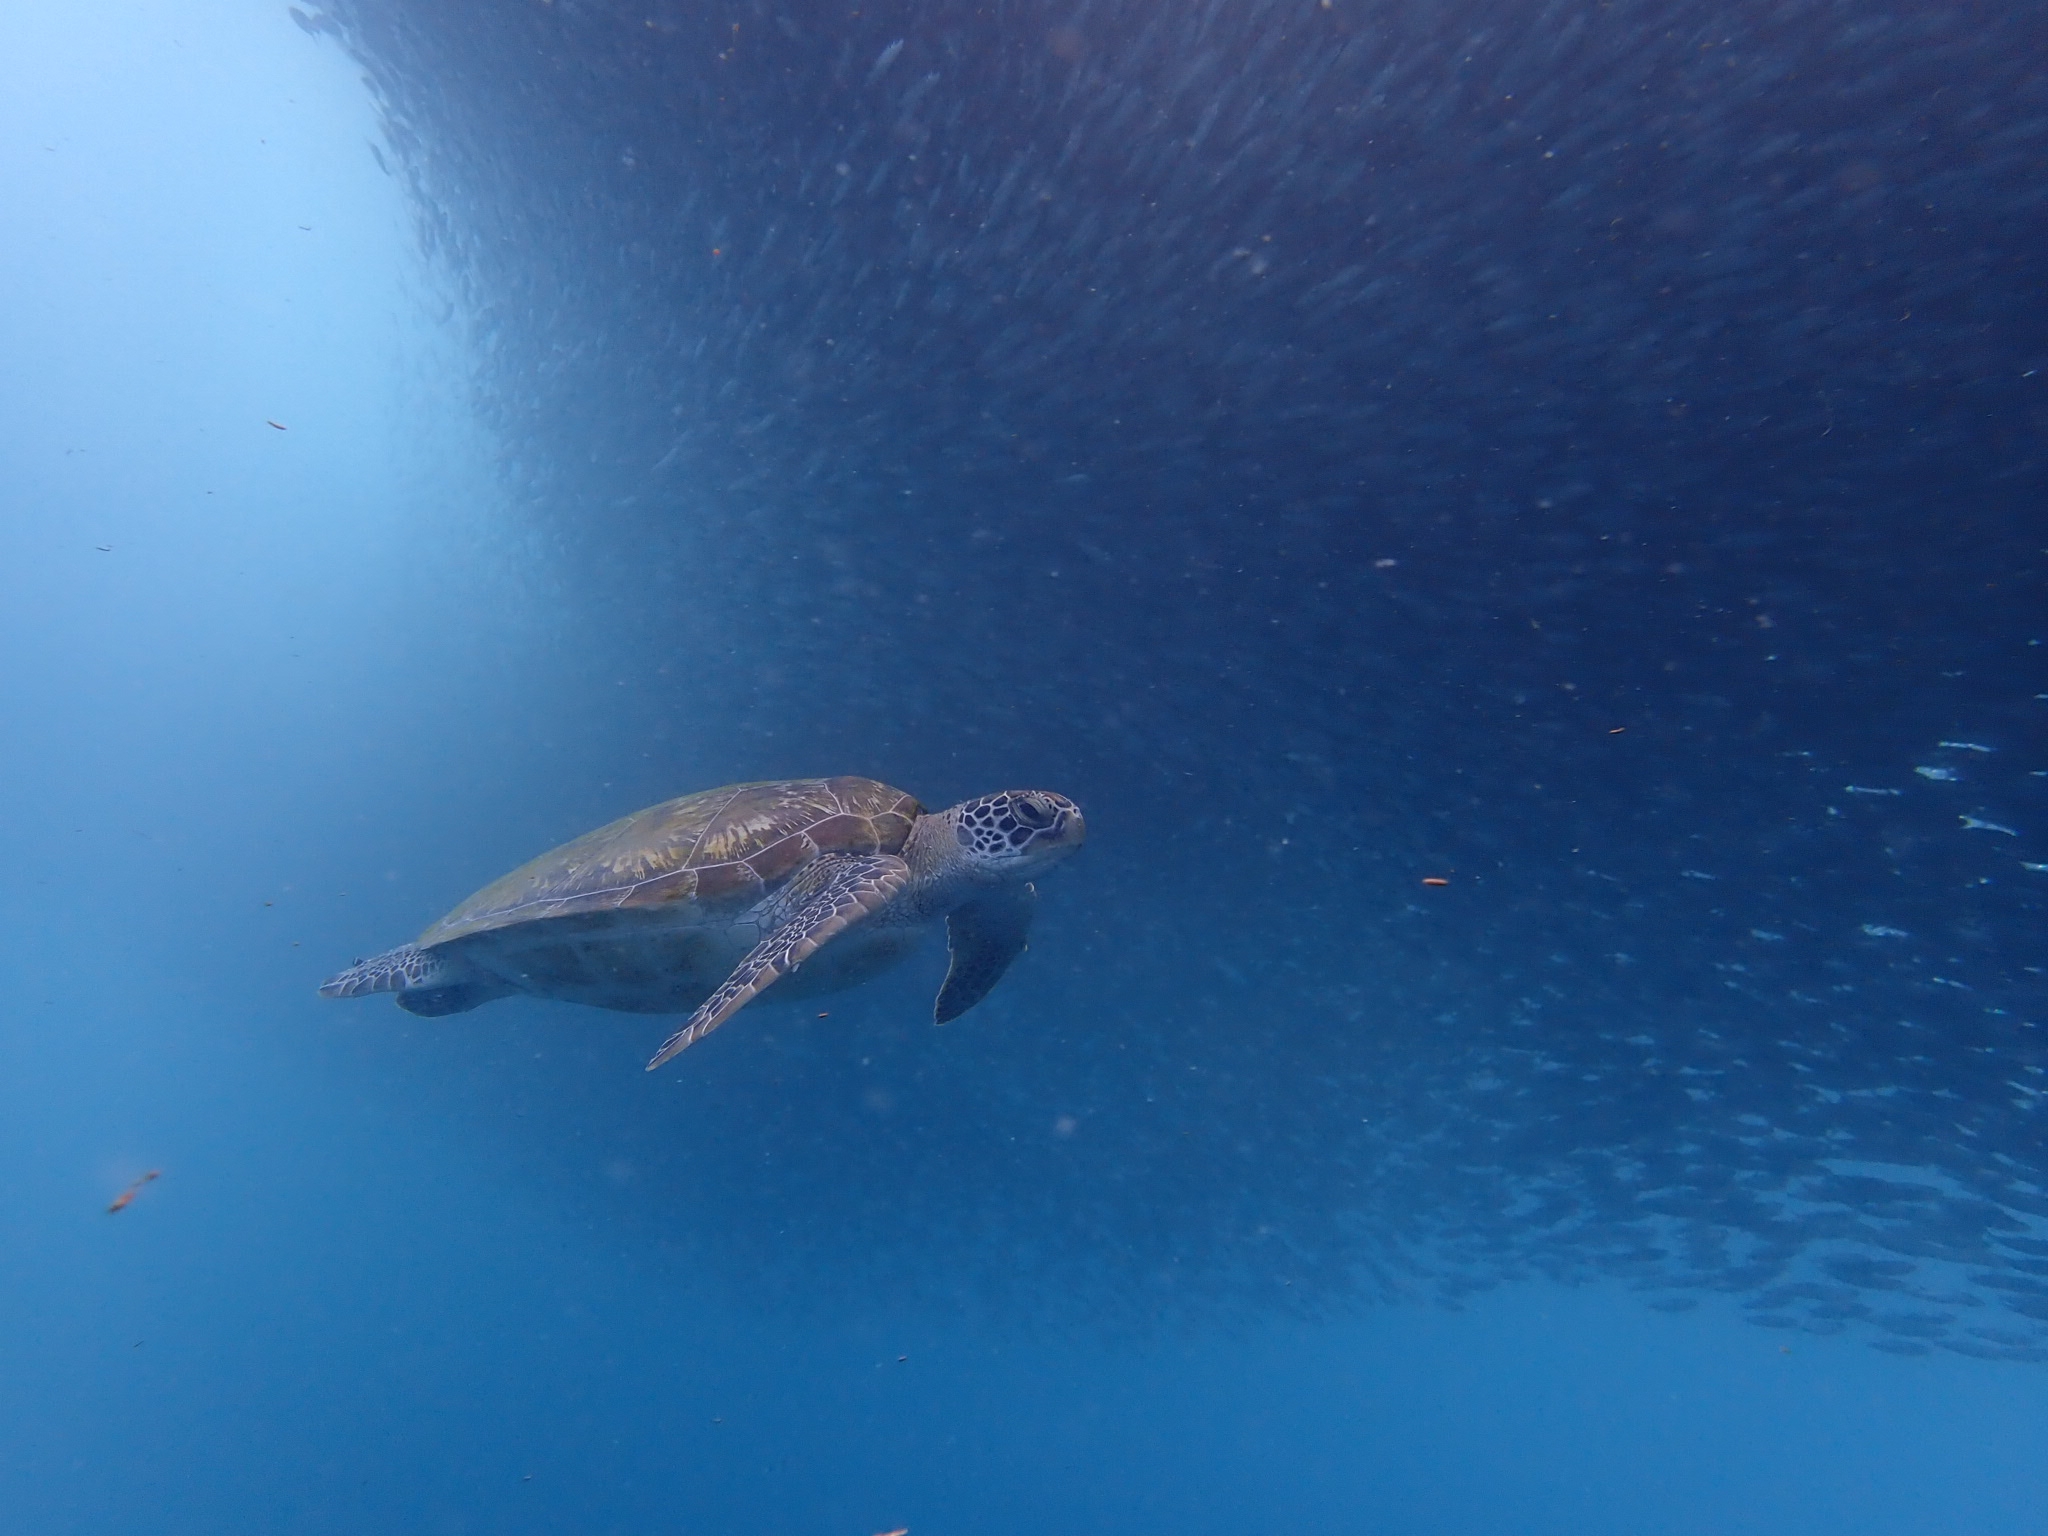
{"type": "Point", "coordinates": [835, 892]}
{"type": "Point", "coordinates": [984, 937]}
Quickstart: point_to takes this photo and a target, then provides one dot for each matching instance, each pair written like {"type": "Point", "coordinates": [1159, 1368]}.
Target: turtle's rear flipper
{"type": "Point", "coordinates": [834, 892]}
{"type": "Point", "coordinates": [426, 983]}
{"type": "Point", "coordinates": [984, 937]}
{"type": "Point", "coordinates": [396, 970]}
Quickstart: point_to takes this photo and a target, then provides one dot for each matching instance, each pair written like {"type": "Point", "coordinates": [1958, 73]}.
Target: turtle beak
{"type": "Point", "coordinates": [1069, 829]}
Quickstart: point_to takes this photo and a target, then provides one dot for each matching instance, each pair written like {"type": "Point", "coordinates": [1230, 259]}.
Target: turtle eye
{"type": "Point", "coordinates": [1033, 811]}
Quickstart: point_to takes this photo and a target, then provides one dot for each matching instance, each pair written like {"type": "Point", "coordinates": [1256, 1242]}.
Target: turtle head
{"type": "Point", "coordinates": [1016, 833]}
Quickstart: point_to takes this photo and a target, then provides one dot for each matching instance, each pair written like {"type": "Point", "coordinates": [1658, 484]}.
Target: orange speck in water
{"type": "Point", "coordinates": [122, 1200]}
{"type": "Point", "coordinates": [1434, 880]}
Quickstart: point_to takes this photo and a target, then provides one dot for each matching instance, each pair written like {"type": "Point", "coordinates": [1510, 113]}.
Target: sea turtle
{"type": "Point", "coordinates": [695, 905]}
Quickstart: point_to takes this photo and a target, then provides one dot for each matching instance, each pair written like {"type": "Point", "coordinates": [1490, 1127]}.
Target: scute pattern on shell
{"type": "Point", "coordinates": [722, 849]}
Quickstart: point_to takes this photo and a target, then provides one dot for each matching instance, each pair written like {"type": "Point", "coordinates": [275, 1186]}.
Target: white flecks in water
{"type": "Point", "coordinates": [1972, 824]}
{"type": "Point", "coordinates": [884, 59]}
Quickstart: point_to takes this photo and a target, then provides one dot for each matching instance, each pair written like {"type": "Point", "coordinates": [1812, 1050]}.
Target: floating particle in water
{"type": "Point", "coordinates": [1972, 824]}
{"type": "Point", "coordinates": [884, 59]}
{"type": "Point", "coordinates": [127, 1196]}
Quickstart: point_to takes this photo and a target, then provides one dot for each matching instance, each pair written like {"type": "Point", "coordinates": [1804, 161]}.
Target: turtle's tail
{"type": "Point", "coordinates": [396, 970]}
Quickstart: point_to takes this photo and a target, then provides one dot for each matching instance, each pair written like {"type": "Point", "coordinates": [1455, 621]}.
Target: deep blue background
{"type": "Point", "coordinates": [1593, 457]}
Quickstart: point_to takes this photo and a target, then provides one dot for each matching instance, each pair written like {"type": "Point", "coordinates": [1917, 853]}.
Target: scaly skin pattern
{"type": "Point", "coordinates": [956, 861]}
{"type": "Point", "coordinates": [396, 970]}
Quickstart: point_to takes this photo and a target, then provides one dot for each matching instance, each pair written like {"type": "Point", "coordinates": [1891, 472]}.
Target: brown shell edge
{"type": "Point", "coordinates": [723, 848]}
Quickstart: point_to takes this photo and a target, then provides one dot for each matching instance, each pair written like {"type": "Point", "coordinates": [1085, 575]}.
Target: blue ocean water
{"type": "Point", "coordinates": [1592, 458]}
